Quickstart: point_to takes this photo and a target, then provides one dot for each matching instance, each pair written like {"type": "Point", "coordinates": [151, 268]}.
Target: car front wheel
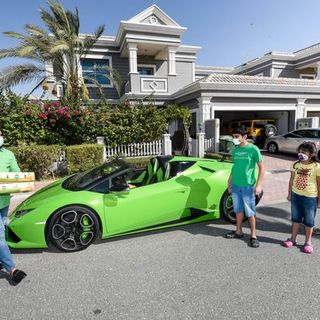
{"type": "Point", "coordinates": [73, 228]}
{"type": "Point", "coordinates": [272, 147]}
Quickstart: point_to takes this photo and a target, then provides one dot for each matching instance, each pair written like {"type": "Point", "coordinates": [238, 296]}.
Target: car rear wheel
{"type": "Point", "coordinates": [226, 207]}
{"type": "Point", "coordinates": [272, 147]}
{"type": "Point", "coordinates": [73, 229]}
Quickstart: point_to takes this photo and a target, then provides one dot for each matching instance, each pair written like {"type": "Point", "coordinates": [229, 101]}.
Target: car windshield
{"type": "Point", "coordinates": [82, 180]}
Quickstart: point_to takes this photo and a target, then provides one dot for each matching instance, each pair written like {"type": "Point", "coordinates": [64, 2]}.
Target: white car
{"type": "Point", "coordinates": [290, 142]}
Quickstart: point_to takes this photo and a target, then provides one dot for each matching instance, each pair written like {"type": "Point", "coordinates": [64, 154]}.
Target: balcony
{"type": "Point", "coordinates": [145, 85]}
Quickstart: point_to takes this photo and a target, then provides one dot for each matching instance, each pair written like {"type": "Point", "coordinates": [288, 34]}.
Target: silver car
{"type": "Point", "coordinates": [290, 142]}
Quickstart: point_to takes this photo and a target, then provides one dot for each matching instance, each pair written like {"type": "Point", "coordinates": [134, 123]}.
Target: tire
{"type": "Point", "coordinates": [226, 207]}
{"type": "Point", "coordinates": [272, 147]}
{"type": "Point", "coordinates": [72, 229]}
{"type": "Point", "coordinates": [270, 130]}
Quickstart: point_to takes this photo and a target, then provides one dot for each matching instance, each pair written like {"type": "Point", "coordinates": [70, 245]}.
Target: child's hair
{"type": "Point", "coordinates": [311, 148]}
{"type": "Point", "coordinates": [240, 130]}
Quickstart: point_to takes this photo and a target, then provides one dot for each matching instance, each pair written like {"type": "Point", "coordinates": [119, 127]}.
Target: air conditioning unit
{"type": "Point", "coordinates": [310, 122]}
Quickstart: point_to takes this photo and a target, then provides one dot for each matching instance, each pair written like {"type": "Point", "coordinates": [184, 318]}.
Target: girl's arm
{"type": "Point", "coordinates": [290, 185]}
{"type": "Point", "coordinates": [318, 186]}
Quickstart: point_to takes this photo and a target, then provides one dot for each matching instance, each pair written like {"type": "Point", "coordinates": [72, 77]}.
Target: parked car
{"type": "Point", "coordinates": [113, 199]}
{"type": "Point", "coordinates": [290, 142]}
{"type": "Point", "coordinates": [258, 129]}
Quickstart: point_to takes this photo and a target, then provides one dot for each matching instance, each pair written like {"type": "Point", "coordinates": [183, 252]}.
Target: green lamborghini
{"type": "Point", "coordinates": [114, 199]}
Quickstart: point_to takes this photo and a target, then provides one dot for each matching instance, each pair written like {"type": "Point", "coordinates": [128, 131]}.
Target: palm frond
{"type": "Point", "coordinates": [20, 74]}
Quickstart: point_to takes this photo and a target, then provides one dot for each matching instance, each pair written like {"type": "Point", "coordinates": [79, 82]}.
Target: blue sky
{"type": "Point", "coordinates": [229, 31]}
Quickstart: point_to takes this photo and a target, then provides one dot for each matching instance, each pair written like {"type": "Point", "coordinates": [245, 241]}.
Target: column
{"type": "Point", "coordinates": [166, 145]}
{"type": "Point", "coordinates": [49, 71]}
{"type": "Point", "coordinates": [301, 109]}
{"type": "Point", "coordinates": [100, 140]}
{"type": "Point", "coordinates": [318, 71]}
{"type": "Point", "coordinates": [205, 112]}
{"type": "Point", "coordinates": [172, 61]}
{"type": "Point", "coordinates": [132, 47]}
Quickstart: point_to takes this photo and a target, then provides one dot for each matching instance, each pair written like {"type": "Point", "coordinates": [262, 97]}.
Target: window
{"type": "Point", "coordinates": [146, 70]}
{"type": "Point", "coordinates": [307, 76]}
{"type": "Point", "coordinates": [94, 69]}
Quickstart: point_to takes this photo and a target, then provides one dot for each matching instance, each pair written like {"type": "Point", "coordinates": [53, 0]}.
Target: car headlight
{"type": "Point", "coordinates": [21, 213]}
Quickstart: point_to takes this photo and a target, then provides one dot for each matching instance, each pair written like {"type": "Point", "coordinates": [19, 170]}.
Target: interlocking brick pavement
{"type": "Point", "coordinates": [275, 184]}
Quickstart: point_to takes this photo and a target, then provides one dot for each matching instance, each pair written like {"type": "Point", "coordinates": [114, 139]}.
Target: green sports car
{"type": "Point", "coordinates": [114, 199]}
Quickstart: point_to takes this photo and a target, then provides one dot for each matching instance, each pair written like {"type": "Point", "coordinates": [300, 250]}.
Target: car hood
{"type": "Point", "coordinates": [52, 190]}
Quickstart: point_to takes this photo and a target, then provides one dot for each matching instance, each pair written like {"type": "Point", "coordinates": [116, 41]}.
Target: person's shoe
{"type": "Point", "coordinates": [17, 276]}
{"type": "Point", "coordinates": [288, 243]}
{"type": "Point", "coordinates": [1, 266]}
{"type": "Point", "coordinates": [253, 243]}
{"type": "Point", "coordinates": [234, 235]}
{"type": "Point", "coordinates": [307, 248]}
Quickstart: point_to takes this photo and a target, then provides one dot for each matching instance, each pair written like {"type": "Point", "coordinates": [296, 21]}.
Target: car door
{"type": "Point", "coordinates": [145, 206]}
{"type": "Point", "coordinates": [291, 141]}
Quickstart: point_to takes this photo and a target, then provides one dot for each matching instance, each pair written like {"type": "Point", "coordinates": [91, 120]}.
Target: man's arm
{"type": "Point", "coordinates": [261, 168]}
{"type": "Point", "coordinates": [14, 165]}
{"type": "Point", "coordinates": [318, 185]}
{"type": "Point", "coordinates": [230, 184]}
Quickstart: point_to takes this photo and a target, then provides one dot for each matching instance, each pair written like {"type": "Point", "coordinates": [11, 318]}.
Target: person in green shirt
{"type": "Point", "coordinates": [243, 185]}
{"type": "Point", "coordinates": [8, 163]}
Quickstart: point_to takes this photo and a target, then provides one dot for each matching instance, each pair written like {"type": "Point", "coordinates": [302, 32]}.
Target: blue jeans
{"type": "Point", "coordinates": [244, 200]}
{"type": "Point", "coordinates": [303, 209]}
{"type": "Point", "coordinates": [5, 254]}
{"type": "Point", "coordinates": [4, 215]}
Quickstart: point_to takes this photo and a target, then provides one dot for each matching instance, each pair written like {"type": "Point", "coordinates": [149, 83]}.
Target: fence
{"type": "Point", "coordinates": [152, 148]}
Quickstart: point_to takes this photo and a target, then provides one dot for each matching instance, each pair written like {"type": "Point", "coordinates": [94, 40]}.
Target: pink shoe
{"type": "Point", "coordinates": [288, 243]}
{"type": "Point", "coordinates": [307, 248]}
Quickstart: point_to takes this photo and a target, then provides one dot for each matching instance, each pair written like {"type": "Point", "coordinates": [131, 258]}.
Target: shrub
{"type": "Point", "coordinates": [138, 163]}
{"type": "Point", "coordinates": [37, 158]}
{"type": "Point", "coordinates": [83, 157]}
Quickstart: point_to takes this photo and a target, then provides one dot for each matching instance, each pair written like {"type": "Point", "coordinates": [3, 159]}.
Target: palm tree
{"type": "Point", "coordinates": [59, 44]}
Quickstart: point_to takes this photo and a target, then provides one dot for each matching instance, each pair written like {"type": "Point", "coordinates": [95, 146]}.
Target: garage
{"type": "Point", "coordinates": [284, 119]}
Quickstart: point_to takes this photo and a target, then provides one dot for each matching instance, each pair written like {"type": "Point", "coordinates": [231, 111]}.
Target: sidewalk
{"type": "Point", "coordinates": [17, 198]}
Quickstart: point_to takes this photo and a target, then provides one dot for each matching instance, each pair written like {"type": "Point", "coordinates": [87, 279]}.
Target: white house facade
{"type": "Point", "coordinates": [153, 62]}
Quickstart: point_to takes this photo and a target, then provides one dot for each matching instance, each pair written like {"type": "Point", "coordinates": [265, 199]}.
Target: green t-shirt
{"type": "Point", "coordinates": [244, 164]}
{"type": "Point", "coordinates": [8, 163]}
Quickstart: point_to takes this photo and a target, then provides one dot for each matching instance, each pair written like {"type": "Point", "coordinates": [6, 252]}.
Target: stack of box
{"type": "Point", "coordinates": [13, 182]}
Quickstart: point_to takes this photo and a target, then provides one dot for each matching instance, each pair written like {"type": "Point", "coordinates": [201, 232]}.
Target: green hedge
{"type": "Point", "coordinates": [138, 163]}
{"type": "Point", "coordinates": [37, 158]}
{"type": "Point", "coordinates": [83, 157]}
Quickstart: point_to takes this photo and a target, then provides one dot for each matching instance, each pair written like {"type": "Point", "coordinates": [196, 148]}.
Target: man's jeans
{"type": "Point", "coordinates": [5, 254]}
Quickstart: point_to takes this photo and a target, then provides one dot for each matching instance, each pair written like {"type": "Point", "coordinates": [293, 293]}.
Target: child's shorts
{"type": "Point", "coordinates": [303, 209]}
{"type": "Point", "coordinates": [244, 200]}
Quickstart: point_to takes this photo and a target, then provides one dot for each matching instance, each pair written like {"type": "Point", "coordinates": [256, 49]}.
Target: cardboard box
{"type": "Point", "coordinates": [16, 187]}
{"type": "Point", "coordinates": [7, 177]}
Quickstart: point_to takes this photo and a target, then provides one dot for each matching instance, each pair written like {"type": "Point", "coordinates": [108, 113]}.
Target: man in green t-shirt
{"type": "Point", "coordinates": [243, 185]}
{"type": "Point", "coordinates": [8, 163]}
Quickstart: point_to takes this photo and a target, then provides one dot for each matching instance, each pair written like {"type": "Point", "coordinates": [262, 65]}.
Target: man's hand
{"type": "Point", "coordinates": [318, 205]}
{"type": "Point", "coordinates": [258, 190]}
{"type": "Point", "coordinates": [289, 198]}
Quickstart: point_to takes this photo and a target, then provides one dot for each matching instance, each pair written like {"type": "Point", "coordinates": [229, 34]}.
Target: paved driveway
{"type": "Point", "coordinates": [191, 272]}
